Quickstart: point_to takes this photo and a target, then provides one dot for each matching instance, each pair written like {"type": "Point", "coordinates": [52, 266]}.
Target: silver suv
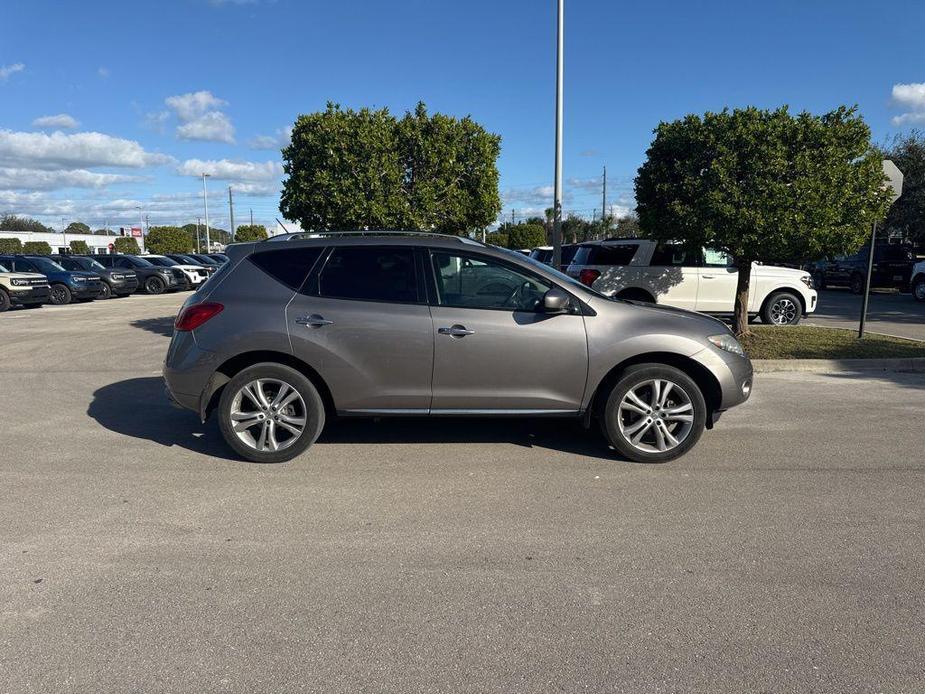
{"type": "Point", "coordinates": [284, 336]}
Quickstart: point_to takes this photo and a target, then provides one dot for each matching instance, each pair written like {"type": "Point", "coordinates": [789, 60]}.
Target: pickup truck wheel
{"type": "Point", "coordinates": [59, 295]}
{"type": "Point", "coordinates": [856, 284]}
{"type": "Point", "coordinates": [155, 285]}
{"type": "Point", "coordinates": [918, 289]}
{"type": "Point", "coordinates": [655, 413]}
{"type": "Point", "coordinates": [270, 413]}
{"type": "Point", "coordinates": [819, 279]}
{"type": "Point", "coordinates": [782, 308]}
{"type": "Point", "coordinates": [4, 301]}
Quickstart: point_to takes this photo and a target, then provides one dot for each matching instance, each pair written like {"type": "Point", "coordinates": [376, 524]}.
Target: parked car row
{"type": "Point", "coordinates": [892, 269]}
{"type": "Point", "coordinates": [34, 280]}
{"type": "Point", "coordinates": [697, 279]}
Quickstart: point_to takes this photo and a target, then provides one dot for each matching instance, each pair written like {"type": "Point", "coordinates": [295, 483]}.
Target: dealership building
{"type": "Point", "coordinates": [97, 243]}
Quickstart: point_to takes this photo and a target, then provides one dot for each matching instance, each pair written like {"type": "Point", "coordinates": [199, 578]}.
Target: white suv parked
{"type": "Point", "coordinates": [698, 280]}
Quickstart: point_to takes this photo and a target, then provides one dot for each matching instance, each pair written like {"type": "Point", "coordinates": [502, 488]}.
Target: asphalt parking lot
{"type": "Point", "coordinates": [889, 312]}
{"type": "Point", "coordinates": [785, 553]}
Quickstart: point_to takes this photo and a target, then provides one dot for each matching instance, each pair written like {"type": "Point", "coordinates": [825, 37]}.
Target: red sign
{"type": "Point", "coordinates": [136, 232]}
{"type": "Point", "coordinates": [111, 247]}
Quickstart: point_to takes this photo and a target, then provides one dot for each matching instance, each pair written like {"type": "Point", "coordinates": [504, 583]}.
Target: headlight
{"type": "Point", "coordinates": [19, 283]}
{"type": "Point", "coordinates": [727, 343]}
{"type": "Point", "coordinates": [808, 281]}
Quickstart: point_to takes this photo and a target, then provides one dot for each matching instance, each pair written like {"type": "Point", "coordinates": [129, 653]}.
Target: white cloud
{"type": "Point", "coordinates": [102, 71]}
{"type": "Point", "coordinates": [7, 70]}
{"type": "Point", "coordinates": [156, 120]}
{"type": "Point", "coordinates": [30, 179]}
{"type": "Point", "coordinates": [280, 139]}
{"type": "Point", "coordinates": [61, 120]}
{"type": "Point", "coordinates": [911, 97]}
{"type": "Point", "coordinates": [201, 117]}
{"type": "Point", "coordinates": [229, 170]}
{"type": "Point", "coordinates": [79, 150]}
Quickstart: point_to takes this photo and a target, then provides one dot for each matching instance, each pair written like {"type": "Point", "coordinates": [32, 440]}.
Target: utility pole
{"type": "Point", "coordinates": [252, 216]}
{"type": "Point", "coordinates": [512, 216]}
{"type": "Point", "coordinates": [557, 199]}
{"type": "Point", "coordinates": [198, 222]}
{"type": "Point", "coordinates": [604, 196]}
{"type": "Point", "coordinates": [231, 212]}
{"type": "Point", "coordinates": [205, 201]}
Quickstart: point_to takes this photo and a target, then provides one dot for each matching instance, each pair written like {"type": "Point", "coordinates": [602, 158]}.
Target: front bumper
{"type": "Point", "coordinates": [86, 290]}
{"type": "Point", "coordinates": [734, 374]}
{"type": "Point", "coordinates": [124, 286]}
{"type": "Point", "coordinates": [29, 295]}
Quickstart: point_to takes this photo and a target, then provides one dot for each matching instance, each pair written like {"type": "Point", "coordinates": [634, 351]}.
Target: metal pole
{"type": "Point", "coordinates": [198, 222]}
{"type": "Point", "coordinates": [604, 200]}
{"type": "Point", "coordinates": [205, 201]}
{"type": "Point", "coordinates": [231, 212]}
{"type": "Point", "coordinates": [870, 269]}
{"type": "Point", "coordinates": [252, 216]}
{"type": "Point", "coordinates": [557, 200]}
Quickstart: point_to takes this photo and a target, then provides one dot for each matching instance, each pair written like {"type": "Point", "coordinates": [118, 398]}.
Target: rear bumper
{"type": "Point", "coordinates": [29, 295]}
{"type": "Point", "coordinates": [188, 371]}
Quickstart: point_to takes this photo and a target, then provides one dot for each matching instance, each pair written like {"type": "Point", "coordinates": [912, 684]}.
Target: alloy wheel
{"type": "Point", "coordinates": [783, 311]}
{"type": "Point", "coordinates": [656, 416]}
{"type": "Point", "coordinates": [918, 291]}
{"type": "Point", "coordinates": [59, 295]}
{"type": "Point", "coordinates": [268, 415]}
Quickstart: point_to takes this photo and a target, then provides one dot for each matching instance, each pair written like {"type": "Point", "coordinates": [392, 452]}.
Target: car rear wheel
{"type": "Point", "coordinates": [782, 308]}
{"type": "Point", "coordinates": [59, 295]}
{"type": "Point", "coordinates": [654, 413]}
{"type": "Point", "coordinates": [270, 413]}
{"type": "Point", "coordinates": [918, 289]}
{"type": "Point", "coordinates": [105, 291]}
{"type": "Point", "coordinates": [4, 301]}
{"type": "Point", "coordinates": [155, 285]}
{"type": "Point", "coordinates": [856, 283]}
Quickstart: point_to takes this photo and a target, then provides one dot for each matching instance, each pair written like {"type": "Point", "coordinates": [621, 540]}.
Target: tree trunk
{"type": "Point", "coordinates": [740, 311]}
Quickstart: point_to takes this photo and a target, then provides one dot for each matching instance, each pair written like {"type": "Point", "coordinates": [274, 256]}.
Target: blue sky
{"type": "Point", "coordinates": [110, 106]}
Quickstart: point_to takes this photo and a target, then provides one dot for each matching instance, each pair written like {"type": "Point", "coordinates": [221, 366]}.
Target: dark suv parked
{"type": "Point", "coordinates": [892, 269]}
{"type": "Point", "coordinates": [285, 335]}
{"type": "Point", "coordinates": [66, 285]}
{"type": "Point", "coordinates": [153, 279]}
{"type": "Point", "coordinates": [113, 282]}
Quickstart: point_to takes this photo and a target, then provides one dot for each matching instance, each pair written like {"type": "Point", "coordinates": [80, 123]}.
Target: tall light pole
{"type": "Point", "coordinates": [557, 199]}
{"type": "Point", "coordinates": [141, 227]}
{"type": "Point", "coordinates": [205, 201]}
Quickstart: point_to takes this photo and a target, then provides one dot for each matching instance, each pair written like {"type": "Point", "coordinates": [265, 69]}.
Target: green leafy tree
{"type": "Point", "coordinates": [168, 239]}
{"type": "Point", "coordinates": [526, 236]}
{"type": "Point", "coordinates": [101, 232]}
{"type": "Point", "coordinates": [365, 169]}
{"type": "Point", "coordinates": [125, 244]}
{"type": "Point", "coordinates": [10, 222]}
{"type": "Point", "coordinates": [80, 247]}
{"type": "Point", "coordinates": [497, 238]}
{"type": "Point", "coordinates": [77, 228]}
{"type": "Point", "coordinates": [762, 186]}
{"type": "Point", "coordinates": [10, 246]}
{"type": "Point", "coordinates": [907, 215]}
{"type": "Point", "coordinates": [250, 232]}
{"type": "Point", "coordinates": [36, 248]}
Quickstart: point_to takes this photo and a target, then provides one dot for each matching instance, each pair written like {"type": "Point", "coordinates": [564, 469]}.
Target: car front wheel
{"type": "Point", "coordinates": [783, 308]}
{"type": "Point", "coordinates": [655, 413]}
{"type": "Point", "coordinates": [59, 294]}
{"type": "Point", "coordinates": [918, 289]}
{"type": "Point", "coordinates": [5, 302]}
{"type": "Point", "coordinates": [105, 291]}
{"type": "Point", "coordinates": [270, 413]}
{"type": "Point", "coordinates": [155, 285]}
{"type": "Point", "coordinates": [856, 284]}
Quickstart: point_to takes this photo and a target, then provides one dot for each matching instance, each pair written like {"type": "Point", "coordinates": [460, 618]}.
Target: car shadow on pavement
{"type": "Point", "coordinates": [158, 326]}
{"type": "Point", "coordinates": [565, 435]}
{"type": "Point", "coordinates": [138, 407]}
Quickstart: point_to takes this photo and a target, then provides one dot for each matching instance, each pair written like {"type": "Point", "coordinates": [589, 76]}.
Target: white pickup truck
{"type": "Point", "coordinates": [698, 280]}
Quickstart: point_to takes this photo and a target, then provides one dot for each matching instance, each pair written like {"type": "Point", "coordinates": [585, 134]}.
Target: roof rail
{"type": "Point", "coordinates": [326, 234]}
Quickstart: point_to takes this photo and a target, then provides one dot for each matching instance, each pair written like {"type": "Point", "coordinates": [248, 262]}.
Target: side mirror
{"type": "Point", "coordinates": [555, 301]}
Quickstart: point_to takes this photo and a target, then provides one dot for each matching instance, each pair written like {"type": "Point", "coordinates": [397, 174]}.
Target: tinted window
{"type": "Point", "coordinates": [162, 262]}
{"type": "Point", "coordinates": [287, 265]}
{"type": "Point", "coordinates": [568, 252]}
{"type": "Point", "coordinates": [673, 255]}
{"type": "Point", "coordinates": [3, 268]}
{"type": "Point", "coordinates": [132, 261]}
{"type": "Point", "coordinates": [45, 265]}
{"type": "Point", "coordinates": [469, 282]}
{"type": "Point", "coordinates": [370, 273]}
{"type": "Point", "coordinates": [620, 254]}
{"type": "Point", "coordinates": [105, 260]}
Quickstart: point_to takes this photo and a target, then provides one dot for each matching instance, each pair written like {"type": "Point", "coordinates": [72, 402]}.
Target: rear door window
{"type": "Point", "coordinates": [713, 258]}
{"type": "Point", "coordinates": [673, 255]}
{"type": "Point", "coordinates": [370, 273]}
{"type": "Point", "coordinates": [619, 254]}
{"type": "Point", "coordinates": [287, 265]}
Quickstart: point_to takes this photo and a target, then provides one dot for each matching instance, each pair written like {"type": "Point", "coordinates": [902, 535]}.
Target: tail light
{"type": "Point", "coordinates": [588, 276]}
{"type": "Point", "coordinates": [193, 316]}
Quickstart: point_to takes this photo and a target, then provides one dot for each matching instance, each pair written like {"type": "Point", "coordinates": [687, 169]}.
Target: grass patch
{"type": "Point", "coordinates": [773, 342]}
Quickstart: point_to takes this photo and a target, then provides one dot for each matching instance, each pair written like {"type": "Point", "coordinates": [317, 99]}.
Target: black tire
{"type": "Point", "coordinates": [782, 308]}
{"type": "Point", "coordinates": [5, 302]}
{"type": "Point", "coordinates": [59, 295]}
{"type": "Point", "coordinates": [155, 285]}
{"type": "Point", "coordinates": [918, 289]}
{"type": "Point", "coordinates": [819, 279]}
{"type": "Point", "coordinates": [312, 404]}
{"type": "Point", "coordinates": [105, 291]}
{"type": "Point", "coordinates": [637, 377]}
{"type": "Point", "coordinates": [856, 283]}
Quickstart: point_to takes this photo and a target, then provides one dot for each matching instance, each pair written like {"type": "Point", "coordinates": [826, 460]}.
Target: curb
{"type": "Point", "coordinates": [829, 366]}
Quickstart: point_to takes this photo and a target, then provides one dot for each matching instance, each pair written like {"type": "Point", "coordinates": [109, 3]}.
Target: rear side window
{"type": "Point", "coordinates": [370, 273]}
{"type": "Point", "coordinates": [621, 254]}
{"type": "Point", "coordinates": [673, 255]}
{"type": "Point", "coordinates": [287, 265]}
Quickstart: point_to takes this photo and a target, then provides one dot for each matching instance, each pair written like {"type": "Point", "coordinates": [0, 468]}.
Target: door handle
{"type": "Point", "coordinates": [456, 331]}
{"type": "Point", "coordinates": [313, 321]}
{"type": "Point", "coordinates": [707, 277]}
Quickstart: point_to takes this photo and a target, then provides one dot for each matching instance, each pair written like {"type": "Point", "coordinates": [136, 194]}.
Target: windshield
{"type": "Point", "coordinates": [162, 262]}
{"type": "Point", "coordinates": [3, 268]}
{"type": "Point", "coordinates": [138, 262]}
{"type": "Point", "coordinates": [185, 259]}
{"type": "Point", "coordinates": [45, 265]}
{"type": "Point", "coordinates": [92, 264]}
{"type": "Point", "coordinates": [204, 259]}
{"type": "Point", "coordinates": [560, 276]}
